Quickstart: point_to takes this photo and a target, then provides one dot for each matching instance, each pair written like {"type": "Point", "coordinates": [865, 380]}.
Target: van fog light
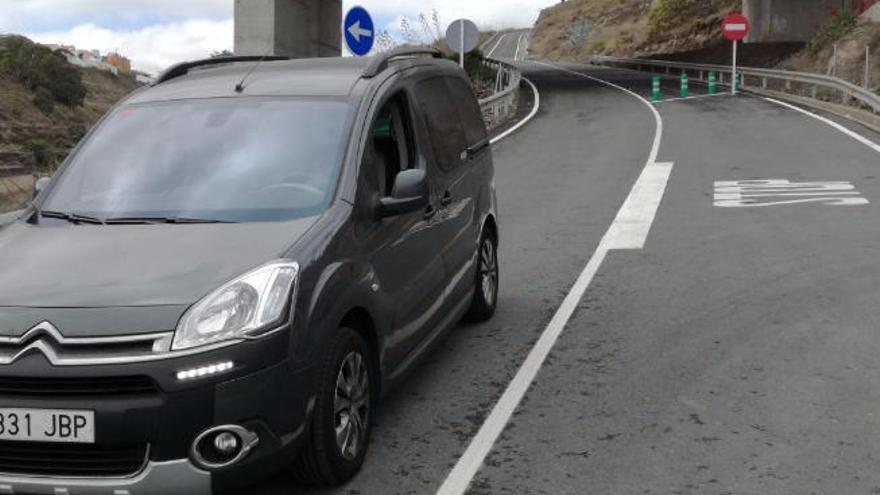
{"type": "Point", "coordinates": [226, 443]}
{"type": "Point", "coordinates": [223, 446]}
{"type": "Point", "coordinates": [204, 371]}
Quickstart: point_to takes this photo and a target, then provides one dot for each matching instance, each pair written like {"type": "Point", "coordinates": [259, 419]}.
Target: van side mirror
{"type": "Point", "coordinates": [40, 185]}
{"type": "Point", "coordinates": [410, 194]}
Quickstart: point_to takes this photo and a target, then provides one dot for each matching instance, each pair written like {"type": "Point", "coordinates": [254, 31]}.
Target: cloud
{"type": "Point", "coordinates": [159, 33]}
{"type": "Point", "coordinates": [43, 15]}
{"type": "Point", "coordinates": [490, 14]}
{"type": "Point", "coordinates": [154, 48]}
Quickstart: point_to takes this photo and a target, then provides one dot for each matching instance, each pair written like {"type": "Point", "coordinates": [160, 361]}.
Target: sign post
{"type": "Point", "coordinates": [735, 28]}
{"type": "Point", "coordinates": [462, 36]}
{"type": "Point", "coordinates": [359, 31]}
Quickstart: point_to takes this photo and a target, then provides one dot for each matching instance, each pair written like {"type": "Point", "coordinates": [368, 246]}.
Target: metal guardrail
{"type": "Point", "coordinates": [847, 91]}
{"type": "Point", "coordinates": [498, 107]}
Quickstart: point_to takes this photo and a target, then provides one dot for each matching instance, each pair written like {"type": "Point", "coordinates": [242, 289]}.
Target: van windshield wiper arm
{"type": "Point", "coordinates": [74, 218]}
{"type": "Point", "coordinates": [157, 220]}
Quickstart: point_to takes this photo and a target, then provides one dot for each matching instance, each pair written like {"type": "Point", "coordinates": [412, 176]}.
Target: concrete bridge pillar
{"type": "Point", "coordinates": [290, 28]}
{"type": "Point", "coordinates": [789, 20]}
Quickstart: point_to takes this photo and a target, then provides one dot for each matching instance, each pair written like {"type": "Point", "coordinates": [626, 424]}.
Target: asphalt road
{"type": "Point", "coordinates": [734, 352]}
{"type": "Point", "coordinates": [510, 46]}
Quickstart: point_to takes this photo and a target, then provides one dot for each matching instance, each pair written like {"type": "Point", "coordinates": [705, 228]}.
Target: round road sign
{"type": "Point", "coordinates": [454, 36]}
{"type": "Point", "coordinates": [735, 27]}
{"type": "Point", "coordinates": [359, 32]}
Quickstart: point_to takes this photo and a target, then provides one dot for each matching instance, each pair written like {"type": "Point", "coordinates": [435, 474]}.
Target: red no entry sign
{"type": "Point", "coordinates": [735, 27]}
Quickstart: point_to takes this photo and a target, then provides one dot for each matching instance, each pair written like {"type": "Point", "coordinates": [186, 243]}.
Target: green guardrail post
{"type": "Point", "coordinates": [712, 85]}
{"type": "Point", "coordinates": [684, 85]}
{"type": "Point", "coordinates": [656, 89]}
{"type": "Point", "coordinates": [737, 81]}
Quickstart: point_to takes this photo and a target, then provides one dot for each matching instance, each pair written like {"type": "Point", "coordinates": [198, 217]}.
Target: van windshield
{"type": "Point", "coordinates": [221, 160]}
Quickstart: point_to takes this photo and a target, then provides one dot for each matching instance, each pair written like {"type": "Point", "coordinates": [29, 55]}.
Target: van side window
{"type": "Point", "coordinates": [444, 124]}
{"type": "Point", "coordinates": [391, 143]}
{"type": "Point", "coordinates": [468, 110]}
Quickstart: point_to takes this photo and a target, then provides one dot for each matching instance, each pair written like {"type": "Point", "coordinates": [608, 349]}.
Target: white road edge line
{"type": "Point", "coordinates": [489, 55]}
{"type": "Point", "coordinates": [518, 47]}
{"type": "Point", "coordinates": [524, 121]}
{"type": "Point", "coordinates": [628, 231]}
{"type": "Point", "coordinates": [858, 137]}
{"type": "Point", "coordinates": [695, 97]}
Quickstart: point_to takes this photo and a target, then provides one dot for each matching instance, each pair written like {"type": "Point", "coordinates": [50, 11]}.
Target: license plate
{"type": "Point", "coordinates": [47, 425]}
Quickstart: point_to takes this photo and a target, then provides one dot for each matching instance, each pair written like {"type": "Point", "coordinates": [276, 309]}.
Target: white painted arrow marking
{"type": "Point", "coordinates": [356, 31]}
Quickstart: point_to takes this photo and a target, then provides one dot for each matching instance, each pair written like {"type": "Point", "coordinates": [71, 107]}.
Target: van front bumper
{"type": "Point", "coordinates": [157, 478]}
{"type": "Point", "coordinates": [265, 393]}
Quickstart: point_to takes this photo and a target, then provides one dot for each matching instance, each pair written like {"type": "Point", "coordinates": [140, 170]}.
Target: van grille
{"type": "Point", "coordinates": [74, 460]}
{"type": "Point", "coordinates": [97, 386]}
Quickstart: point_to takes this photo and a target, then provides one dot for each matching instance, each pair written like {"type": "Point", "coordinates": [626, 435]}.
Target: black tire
{"type": "Point", "coordinates": [322, 462]}
{"type": "Point", "coordinates": [485, 298]}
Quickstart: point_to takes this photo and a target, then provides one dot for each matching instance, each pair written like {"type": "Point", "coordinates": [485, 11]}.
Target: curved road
{"type": "Point", "coordinates": [726, 341]}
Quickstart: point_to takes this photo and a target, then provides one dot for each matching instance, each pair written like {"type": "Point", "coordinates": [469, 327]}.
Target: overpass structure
{"type": "Point", "coordinates": [292, 28]}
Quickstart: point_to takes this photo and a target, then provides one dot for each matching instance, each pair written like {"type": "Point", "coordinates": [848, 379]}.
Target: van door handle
{"type": "Point", "coordinates": [447, 199]}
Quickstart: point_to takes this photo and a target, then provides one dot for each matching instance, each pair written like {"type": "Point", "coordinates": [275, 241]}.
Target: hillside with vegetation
{"type": "Point", "coordinates": [689, 30]}
{"type": "Point", "coordinates": [46, 106]}
{"type": "Point", "coordinates": [577, 29]}
{"type": "Point", "coordinates": [851, 34]}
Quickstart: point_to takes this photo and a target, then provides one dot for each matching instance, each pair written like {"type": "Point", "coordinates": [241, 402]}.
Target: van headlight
{"type": "Point", "coordinates": [243, 308]}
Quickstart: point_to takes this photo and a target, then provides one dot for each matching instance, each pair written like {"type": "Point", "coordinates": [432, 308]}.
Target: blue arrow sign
{"type": "Point", "coordinates": [359, 31]}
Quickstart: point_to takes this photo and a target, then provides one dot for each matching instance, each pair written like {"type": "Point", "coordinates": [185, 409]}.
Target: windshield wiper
{"type": "Point", "coordinates": [74, 218]}
{"type": "Point", "coordinates": [158, 220]}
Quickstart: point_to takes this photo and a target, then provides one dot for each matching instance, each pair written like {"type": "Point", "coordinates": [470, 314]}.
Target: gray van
{"type": "Point", "coordinates": [230, 268]}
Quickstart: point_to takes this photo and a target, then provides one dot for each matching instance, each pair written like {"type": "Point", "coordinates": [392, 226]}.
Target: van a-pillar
{"type": "Point", "coordinates": [290, 28]}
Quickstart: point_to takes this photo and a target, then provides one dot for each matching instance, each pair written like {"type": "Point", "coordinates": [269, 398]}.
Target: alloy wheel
{"type": "Point", "coordinates": [352, 405]}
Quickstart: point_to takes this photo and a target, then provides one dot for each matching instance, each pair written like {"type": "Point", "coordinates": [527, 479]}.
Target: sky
{"type": "Point", "coordinates": [159, 33]}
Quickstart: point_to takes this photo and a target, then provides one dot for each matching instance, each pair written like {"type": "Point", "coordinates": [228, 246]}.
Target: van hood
{"type": "Point", "coordinates": [95, 266]}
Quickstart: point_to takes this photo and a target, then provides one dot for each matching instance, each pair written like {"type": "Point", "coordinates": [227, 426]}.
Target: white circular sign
{"type": "Point", "coordinates": [462, 33]}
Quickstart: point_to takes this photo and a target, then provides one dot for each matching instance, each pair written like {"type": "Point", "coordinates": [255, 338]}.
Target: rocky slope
{"type": "Point", "coordinates": [627, 28]}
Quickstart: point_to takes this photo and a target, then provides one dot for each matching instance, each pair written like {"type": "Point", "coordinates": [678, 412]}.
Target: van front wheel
{"type": "Point", "coordinates": [341, 422]}
{"type": "Point", "coordinates": [486, 284]}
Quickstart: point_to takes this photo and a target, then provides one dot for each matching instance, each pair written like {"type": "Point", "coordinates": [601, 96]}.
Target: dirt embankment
{"type": "Point", "coordinates": [577, 29]}
{"type": "Point", "coordinates": [850, 64]}
{"type": "Point", "coordinates": [35, 141]}
{"type": "Point", "coordinates": [689, 30]}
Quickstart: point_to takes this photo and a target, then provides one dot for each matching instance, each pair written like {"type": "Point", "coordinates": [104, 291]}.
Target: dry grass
{"type": "Point", "coordinates": [850, 56]}
{"type": "Point", "coordinates": [15, 192]}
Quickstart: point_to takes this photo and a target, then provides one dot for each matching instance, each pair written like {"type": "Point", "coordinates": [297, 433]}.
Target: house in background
{"type": "Point", "coordinates": [121, 63]}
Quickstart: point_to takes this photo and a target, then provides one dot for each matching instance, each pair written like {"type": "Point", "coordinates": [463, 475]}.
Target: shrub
{"type": "Point", "coordinates": [667, 14]}
{"type": "Point", "coordinates": [44, 100]}
{"type": "Point", "coordinates": [473, 65]}
{"type": "Point", "coordinates": [37, 66]}
{"type": "Point", "coordinates": [841, 23]}
{"type": "Point", "coordinates": [42, 153]}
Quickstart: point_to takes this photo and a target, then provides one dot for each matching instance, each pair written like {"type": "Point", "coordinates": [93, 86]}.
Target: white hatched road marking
{"type": "Point", "coordinates": [751, 193]}
{"type": "Point", "coordinates": [628, 231]}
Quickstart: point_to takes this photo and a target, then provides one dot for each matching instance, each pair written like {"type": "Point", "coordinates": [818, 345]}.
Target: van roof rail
{"type": "Point", "coordinates": [381, 61]}
{"type": "Point", "coordinates": [183, 68]}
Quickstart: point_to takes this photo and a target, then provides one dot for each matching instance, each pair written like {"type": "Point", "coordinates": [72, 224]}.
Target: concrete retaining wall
{"type": "Point", "coordinates": [789, 20]}
{"type": "Point", "coordinates": [291, 28]}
